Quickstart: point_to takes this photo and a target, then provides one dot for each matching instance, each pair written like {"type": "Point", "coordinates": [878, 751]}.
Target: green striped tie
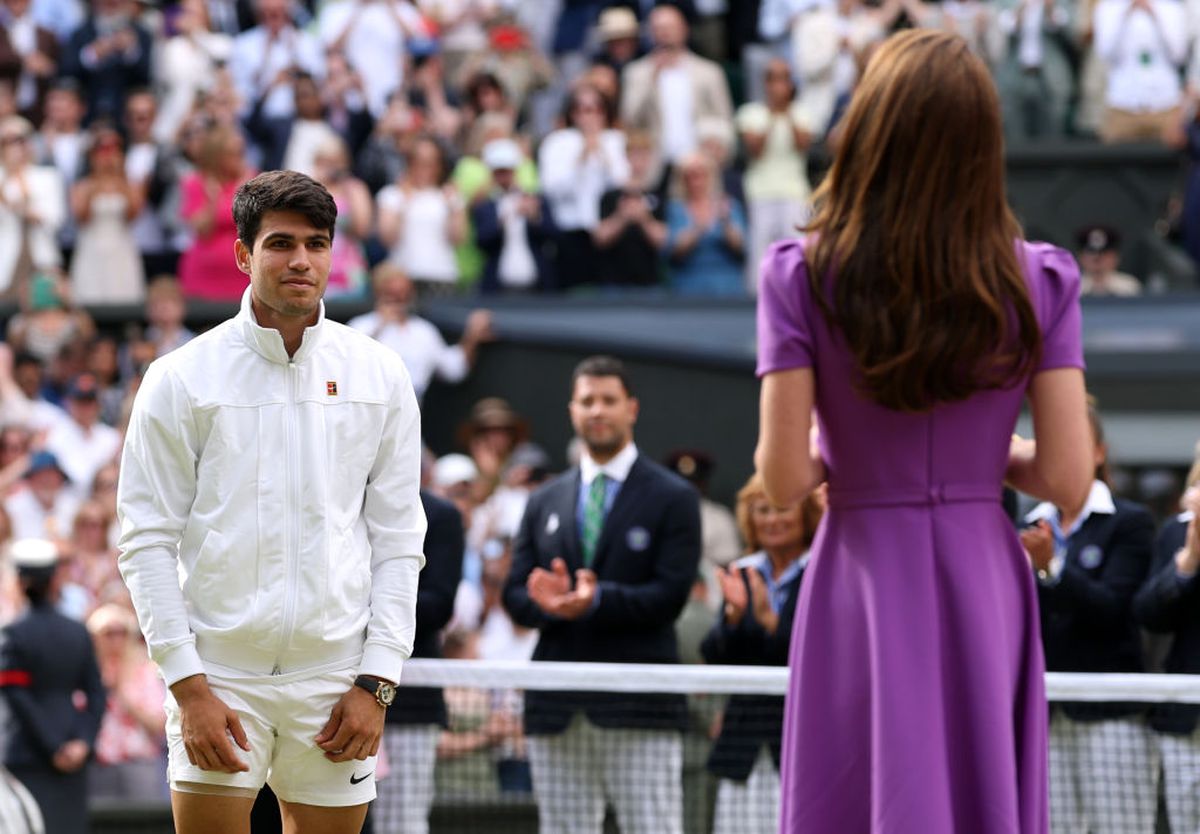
{"type": "Point", "coordinates": [593, 518]}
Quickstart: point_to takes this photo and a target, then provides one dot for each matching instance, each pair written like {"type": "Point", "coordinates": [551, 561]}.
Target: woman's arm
{"type": "Point", "coordinates": [787, 457]}
{"type": "Point", "coordinates": [1058, 466]}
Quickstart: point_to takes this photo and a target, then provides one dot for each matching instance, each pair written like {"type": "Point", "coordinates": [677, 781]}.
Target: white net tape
{"type": "Point", "coordinates": [749, 680]}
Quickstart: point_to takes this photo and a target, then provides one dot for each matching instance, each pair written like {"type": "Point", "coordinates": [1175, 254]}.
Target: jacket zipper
{"type": "Point", "coordinates": [292, 516]}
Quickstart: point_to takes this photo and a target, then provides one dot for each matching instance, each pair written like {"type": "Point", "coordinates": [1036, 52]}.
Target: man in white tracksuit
{"type": "Point", "coordinates": [271, 534]}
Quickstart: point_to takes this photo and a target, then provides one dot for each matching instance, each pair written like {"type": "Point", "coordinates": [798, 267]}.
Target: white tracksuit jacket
{"type": "Point", "coordinates": [269, 507]}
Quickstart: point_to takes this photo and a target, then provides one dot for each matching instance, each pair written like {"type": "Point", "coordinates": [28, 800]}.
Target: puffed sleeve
{"type": "Point", "coordinates": [1054, 288]}
{"type": "Point", "coordinates": [784, 333]}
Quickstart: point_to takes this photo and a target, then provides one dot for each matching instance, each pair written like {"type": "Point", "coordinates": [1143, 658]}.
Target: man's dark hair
{"type": "Point", "coordinates": [602, 366]}
{"type": "Point", "coordinates": [281, 191]}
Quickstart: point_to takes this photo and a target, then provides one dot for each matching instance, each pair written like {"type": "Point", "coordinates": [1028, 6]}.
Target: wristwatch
{"type": "Point", "coordinates": [383, 691]}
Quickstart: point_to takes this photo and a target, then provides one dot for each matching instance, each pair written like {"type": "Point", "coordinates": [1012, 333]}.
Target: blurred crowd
{"type": "Point", "coordinates": [503, 146]}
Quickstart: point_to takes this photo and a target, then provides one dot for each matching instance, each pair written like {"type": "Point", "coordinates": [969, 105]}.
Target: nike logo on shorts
{"type": "Point", "coordinates": [355, 780]}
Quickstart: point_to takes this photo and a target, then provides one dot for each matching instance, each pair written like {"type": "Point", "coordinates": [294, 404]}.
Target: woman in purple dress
{"type": "Point", "coordinates": [914, 321]}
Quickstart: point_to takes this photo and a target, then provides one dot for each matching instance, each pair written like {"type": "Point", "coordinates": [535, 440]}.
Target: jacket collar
{"type": "Point", "coordinates": [617, 469]}
{"type": "Point", "coordinates": [267, 342]}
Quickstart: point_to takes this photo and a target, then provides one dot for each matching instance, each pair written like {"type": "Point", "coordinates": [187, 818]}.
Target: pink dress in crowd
{"type": "Point", "coordinates": [916, 700]}
{"type": "Point", "coordinates": [208, 268]}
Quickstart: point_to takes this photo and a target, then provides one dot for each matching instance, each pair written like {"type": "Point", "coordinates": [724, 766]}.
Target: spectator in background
{"type": "Point", "coordinates": [348, 260]}
{"type": "Point", "coordinates": [1088, 567]}
{"type": "Point", "coordinates": [290, 141]}
{"type": "Point", "coordinates": [632, 230]}
{"type": "Point", "coordinates": [512, 227]}
{"type": "Point", "coordinates": [148, 169]}
{"type": "Point", "coordinates": [422, 218]}
{"type": "Point", "coordinates": [720, 540]}
{"type": "Point", "coordinates": [485, 96]}
{"type": "Point", "coordinates": [706, 233]}
{"type": "Point", "coordinates": [1034, 75]}
{"type": "Point", "coordinates": [717, 141]}
{"type": "Point", "coordinates": [48, 322]}
{"type": "Point", "coordinates": [53, 693]}
{"type": "Point", "coordinates": [515, 62]}
{"type": "Point", "coordinates": [272, 50]}
{"type": "Point", "coordinates": [345, 102]}
{"type": "Point", "coordinates": [104, 363]}
{"type": "Point", "coordinates": [1167, 605]}
{"type": "Point", "coordinates": [618, 32]}
{"type": "Point", "coordinates": [453, 477]}
{"type": "Point", "coordinates": [45, 506]}
{"type": "Point", "coordinates": [1145, 45]}
{"type": "Point", "coordinates": [776, 135]}
{"type": "Point", "coordinates": [106, 267]}
{"type": "Point", "coordinates": [165, 312]}
{"type": "Point", "coordinates": [491, 433]}
{"type": "Point", "coordinates": [754, 628]}
{"type": "Point", "coordinates": [671, 89]}
{"type": "Point", "coordinates": [577, 165]}
{"type": "Point", "coordinates": [109, 55]}
{"type": "Point", "coordinates": [1099, 251]}
{"type": "Point", "coordinates": [383, 158]}
{"type": "Point", "coordinates": [90, 560]}
{"type": "Point", "coordinates": [29, 56]}
{"type": "Point", "coordinates": [417, 717]}
{"type": "Point", "coordinates": [32, 207]}
{"type": "Point", "coordinates": [373, 35]}
{"type": "Point", "coordinates": [205, 269]}
{"type": "Point", "coordinates": [130, 764]}
{"type": "Point", "coordinates": [186, 66]}
{"type": "Point", "coordinates": [462, 28]}
{"type": "Point", "coordinates": [428, 92]}
{"type": "Point", "coordinates": [420, 345]}
{"type": "Point", "coordinates": [83, 444]}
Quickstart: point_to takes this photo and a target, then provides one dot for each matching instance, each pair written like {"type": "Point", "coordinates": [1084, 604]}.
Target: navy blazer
{"type": "Point", "coordinates": [108, 82]}
{"type": "Point", "coordinates": [489, 237]}
{"type": "Point", "coordinates": [750, 721]}
{"type": "Point", "coordinates": [45, 658]}
{"type": "Point", "coordinates": [1167, 604]}
{"type": "Point", "coordinates": [646, 561]}
{"type": "Point", "coordinates": [435, 605]}
{"type": "Point", "coordinates": [1087, 615]}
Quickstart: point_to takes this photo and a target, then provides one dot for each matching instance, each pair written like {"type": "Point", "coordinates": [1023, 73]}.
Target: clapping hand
{"type": "Point", "coordinates": [734, 591]}
{"type": "Point", "coordinates": [551, 590]}
{"type": "Point", "coordinates": [760, 602]}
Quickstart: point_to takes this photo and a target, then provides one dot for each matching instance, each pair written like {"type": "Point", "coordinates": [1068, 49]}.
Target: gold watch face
{"type": "Point", "coordinates": [385, 694]}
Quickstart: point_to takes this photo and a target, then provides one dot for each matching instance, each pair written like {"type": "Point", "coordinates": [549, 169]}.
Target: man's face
{"type": "Point", "coordinates": [289, 266]}
{"type": "Point", "coordinates": [603, 414]}
{"type": "Point", "coordinates": [45, 484]}
{"type": "Point", "coordinates": [84, 410]}
{"type": "Point", "coordinates": [667, 28]}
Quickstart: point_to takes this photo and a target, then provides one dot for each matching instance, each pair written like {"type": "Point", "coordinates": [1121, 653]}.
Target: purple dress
{"type": "Point", "coordinates": [916, 702]}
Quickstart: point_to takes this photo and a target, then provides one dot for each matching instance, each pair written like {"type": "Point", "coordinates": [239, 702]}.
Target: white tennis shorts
{"type": "Point", "coordinates": [281, 715]}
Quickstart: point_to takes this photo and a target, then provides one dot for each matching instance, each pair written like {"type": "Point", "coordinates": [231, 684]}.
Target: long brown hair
{"type": "Point", "coordinates": [912, 218]}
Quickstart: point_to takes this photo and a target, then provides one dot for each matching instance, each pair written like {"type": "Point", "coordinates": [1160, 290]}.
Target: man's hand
{"type": "Point", "coordinates": [71, 756]}
{"type": "Point", "coordinates": [551, 590]}
{"type": "Point", "coordinates": [207, 724]}
{"type": "Point", "coordinates": [546, 586]}
{"type": "Point", "coordinates": [354, 727]}
{"type": "Point", "coordinates": [1038, 542]}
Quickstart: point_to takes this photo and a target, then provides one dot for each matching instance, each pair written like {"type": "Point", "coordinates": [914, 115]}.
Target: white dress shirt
{"type": "Point", "coordinates": [420, 345]}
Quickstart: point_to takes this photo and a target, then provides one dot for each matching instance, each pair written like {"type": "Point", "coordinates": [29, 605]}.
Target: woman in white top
{"type": "Point", "coordinates": [422, 219]}
{"type": "Point", "coordinates": [106, 267]}
{"type": "Point", "coordinates": [31, 207]}
{"type": "Point", "coordinates": [776, 134]}
{"type": "Point", "coordinates": [186, 67]}
{"type": "Point", "coordinates": [577, 164]}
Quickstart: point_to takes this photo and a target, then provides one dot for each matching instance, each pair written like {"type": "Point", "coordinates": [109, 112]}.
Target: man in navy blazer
{"type": "Point", "coordinates": [1169, 603]}
{"type": "Point", "coordinates": [602, 564]}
